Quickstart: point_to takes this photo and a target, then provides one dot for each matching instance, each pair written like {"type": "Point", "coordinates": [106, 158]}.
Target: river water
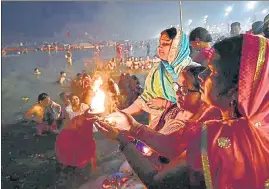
{"type": "Point", "coordinates": [18, 80]}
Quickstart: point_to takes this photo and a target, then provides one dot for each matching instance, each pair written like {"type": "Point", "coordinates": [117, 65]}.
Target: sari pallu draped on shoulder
{"type": "Point", "coordinates": [235, 154]}
{"type": "Point", "coordinates": [160, 78]}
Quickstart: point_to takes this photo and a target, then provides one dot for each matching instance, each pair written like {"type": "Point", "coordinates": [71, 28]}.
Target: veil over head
{"type": "Point", "coordinates": [235, 153]}
{"type": "Point", "coordinates": [160, 78]}
{"type": "Point", "coordinates": [253, 86]}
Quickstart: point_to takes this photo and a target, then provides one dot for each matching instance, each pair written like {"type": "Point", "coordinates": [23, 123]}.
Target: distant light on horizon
{"type": "Point", "coordinates": [264, 11]}
{"type": "Point", "coordinates": [190, 21]}
{"type": "Point", "coordinates": [229, 9]}
{"type": "Point", "coordinates": [251, 4]}
{"type": "Point", "coordinates": [111, 21]}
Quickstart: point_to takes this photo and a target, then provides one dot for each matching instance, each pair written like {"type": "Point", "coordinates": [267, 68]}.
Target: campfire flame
{"type": "Point", "coordinates": [98, 101]}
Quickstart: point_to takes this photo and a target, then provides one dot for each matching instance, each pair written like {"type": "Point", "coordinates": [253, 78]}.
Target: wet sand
{"type": "Point", "coordinates": [29, 161]}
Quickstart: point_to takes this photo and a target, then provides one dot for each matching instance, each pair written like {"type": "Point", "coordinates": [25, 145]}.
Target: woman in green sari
{"type": "Point", "coordinates": [174, 53]}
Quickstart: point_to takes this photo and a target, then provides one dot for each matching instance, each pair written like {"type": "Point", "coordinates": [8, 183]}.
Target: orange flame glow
{"type": "Point", "coordinates": [98, 101]}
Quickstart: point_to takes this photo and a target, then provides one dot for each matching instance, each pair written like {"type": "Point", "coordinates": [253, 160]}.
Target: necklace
{"type": "Point", "coordinates": [75, 108]}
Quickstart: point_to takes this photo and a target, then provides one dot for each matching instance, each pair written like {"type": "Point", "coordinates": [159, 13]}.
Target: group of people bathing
{"type": "Point", "coordinates": [209, 121]}
{"type": "Point", "coordinates": [209, 114]}
{"type": "Point", "coordinates": [52, 116]}
{"type": "Point", "coordinates": [132, 63]}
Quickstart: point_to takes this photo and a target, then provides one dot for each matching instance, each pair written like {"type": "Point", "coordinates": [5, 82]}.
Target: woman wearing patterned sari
{"type": "Point", "coordinates": [232, 152]}
{"type": "Point", "coordinates": [188, 107]}
{"type": "Point", "coordinates": [174, 54]}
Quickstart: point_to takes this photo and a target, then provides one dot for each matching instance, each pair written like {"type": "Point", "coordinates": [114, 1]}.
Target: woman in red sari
{"type": "Point", "coordinates": [232, 152]}
{"type": "Point", "coordinates": [75, 145]}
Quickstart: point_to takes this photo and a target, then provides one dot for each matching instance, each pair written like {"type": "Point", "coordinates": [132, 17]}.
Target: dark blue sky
{"type": "Point", "coordinates": [106, 20]}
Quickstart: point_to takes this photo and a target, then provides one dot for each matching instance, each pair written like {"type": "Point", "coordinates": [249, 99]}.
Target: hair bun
{"type": "Point", "coordinates": [171, 32]}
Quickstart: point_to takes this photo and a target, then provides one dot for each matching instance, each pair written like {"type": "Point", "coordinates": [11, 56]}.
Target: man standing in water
{"type": "Point", "coordinates": [62, 78]}
{"type": "Point", "coordinates": [45, 113]}
{"type": "Point", "coordinates": [148, 48]}
{"type": "Point", "coordinates": [68, 56]}
{"type": "Point", "coordinates": [97, 50]}
{"type": "Point", "coordinates": [49, 49]}
{"type": "Point", "coordinates": [119, 51]}
{"type": "Point", "coordinates": [131, 49]}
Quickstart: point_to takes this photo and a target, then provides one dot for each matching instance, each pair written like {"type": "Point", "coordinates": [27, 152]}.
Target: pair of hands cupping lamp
{"type": "Point", "coordinates": [115, 124]}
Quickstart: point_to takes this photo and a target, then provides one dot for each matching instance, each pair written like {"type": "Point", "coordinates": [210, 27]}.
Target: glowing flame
{"type": "Point", "coordinates": [98, 101]}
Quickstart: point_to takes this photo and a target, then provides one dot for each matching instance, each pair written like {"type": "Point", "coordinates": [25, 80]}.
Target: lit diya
{"type": "Point", "coordinates": [117, 120]}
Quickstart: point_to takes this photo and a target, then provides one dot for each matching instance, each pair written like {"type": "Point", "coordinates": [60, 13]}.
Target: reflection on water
{"type": "Point", "coordinates": [18, 80]}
